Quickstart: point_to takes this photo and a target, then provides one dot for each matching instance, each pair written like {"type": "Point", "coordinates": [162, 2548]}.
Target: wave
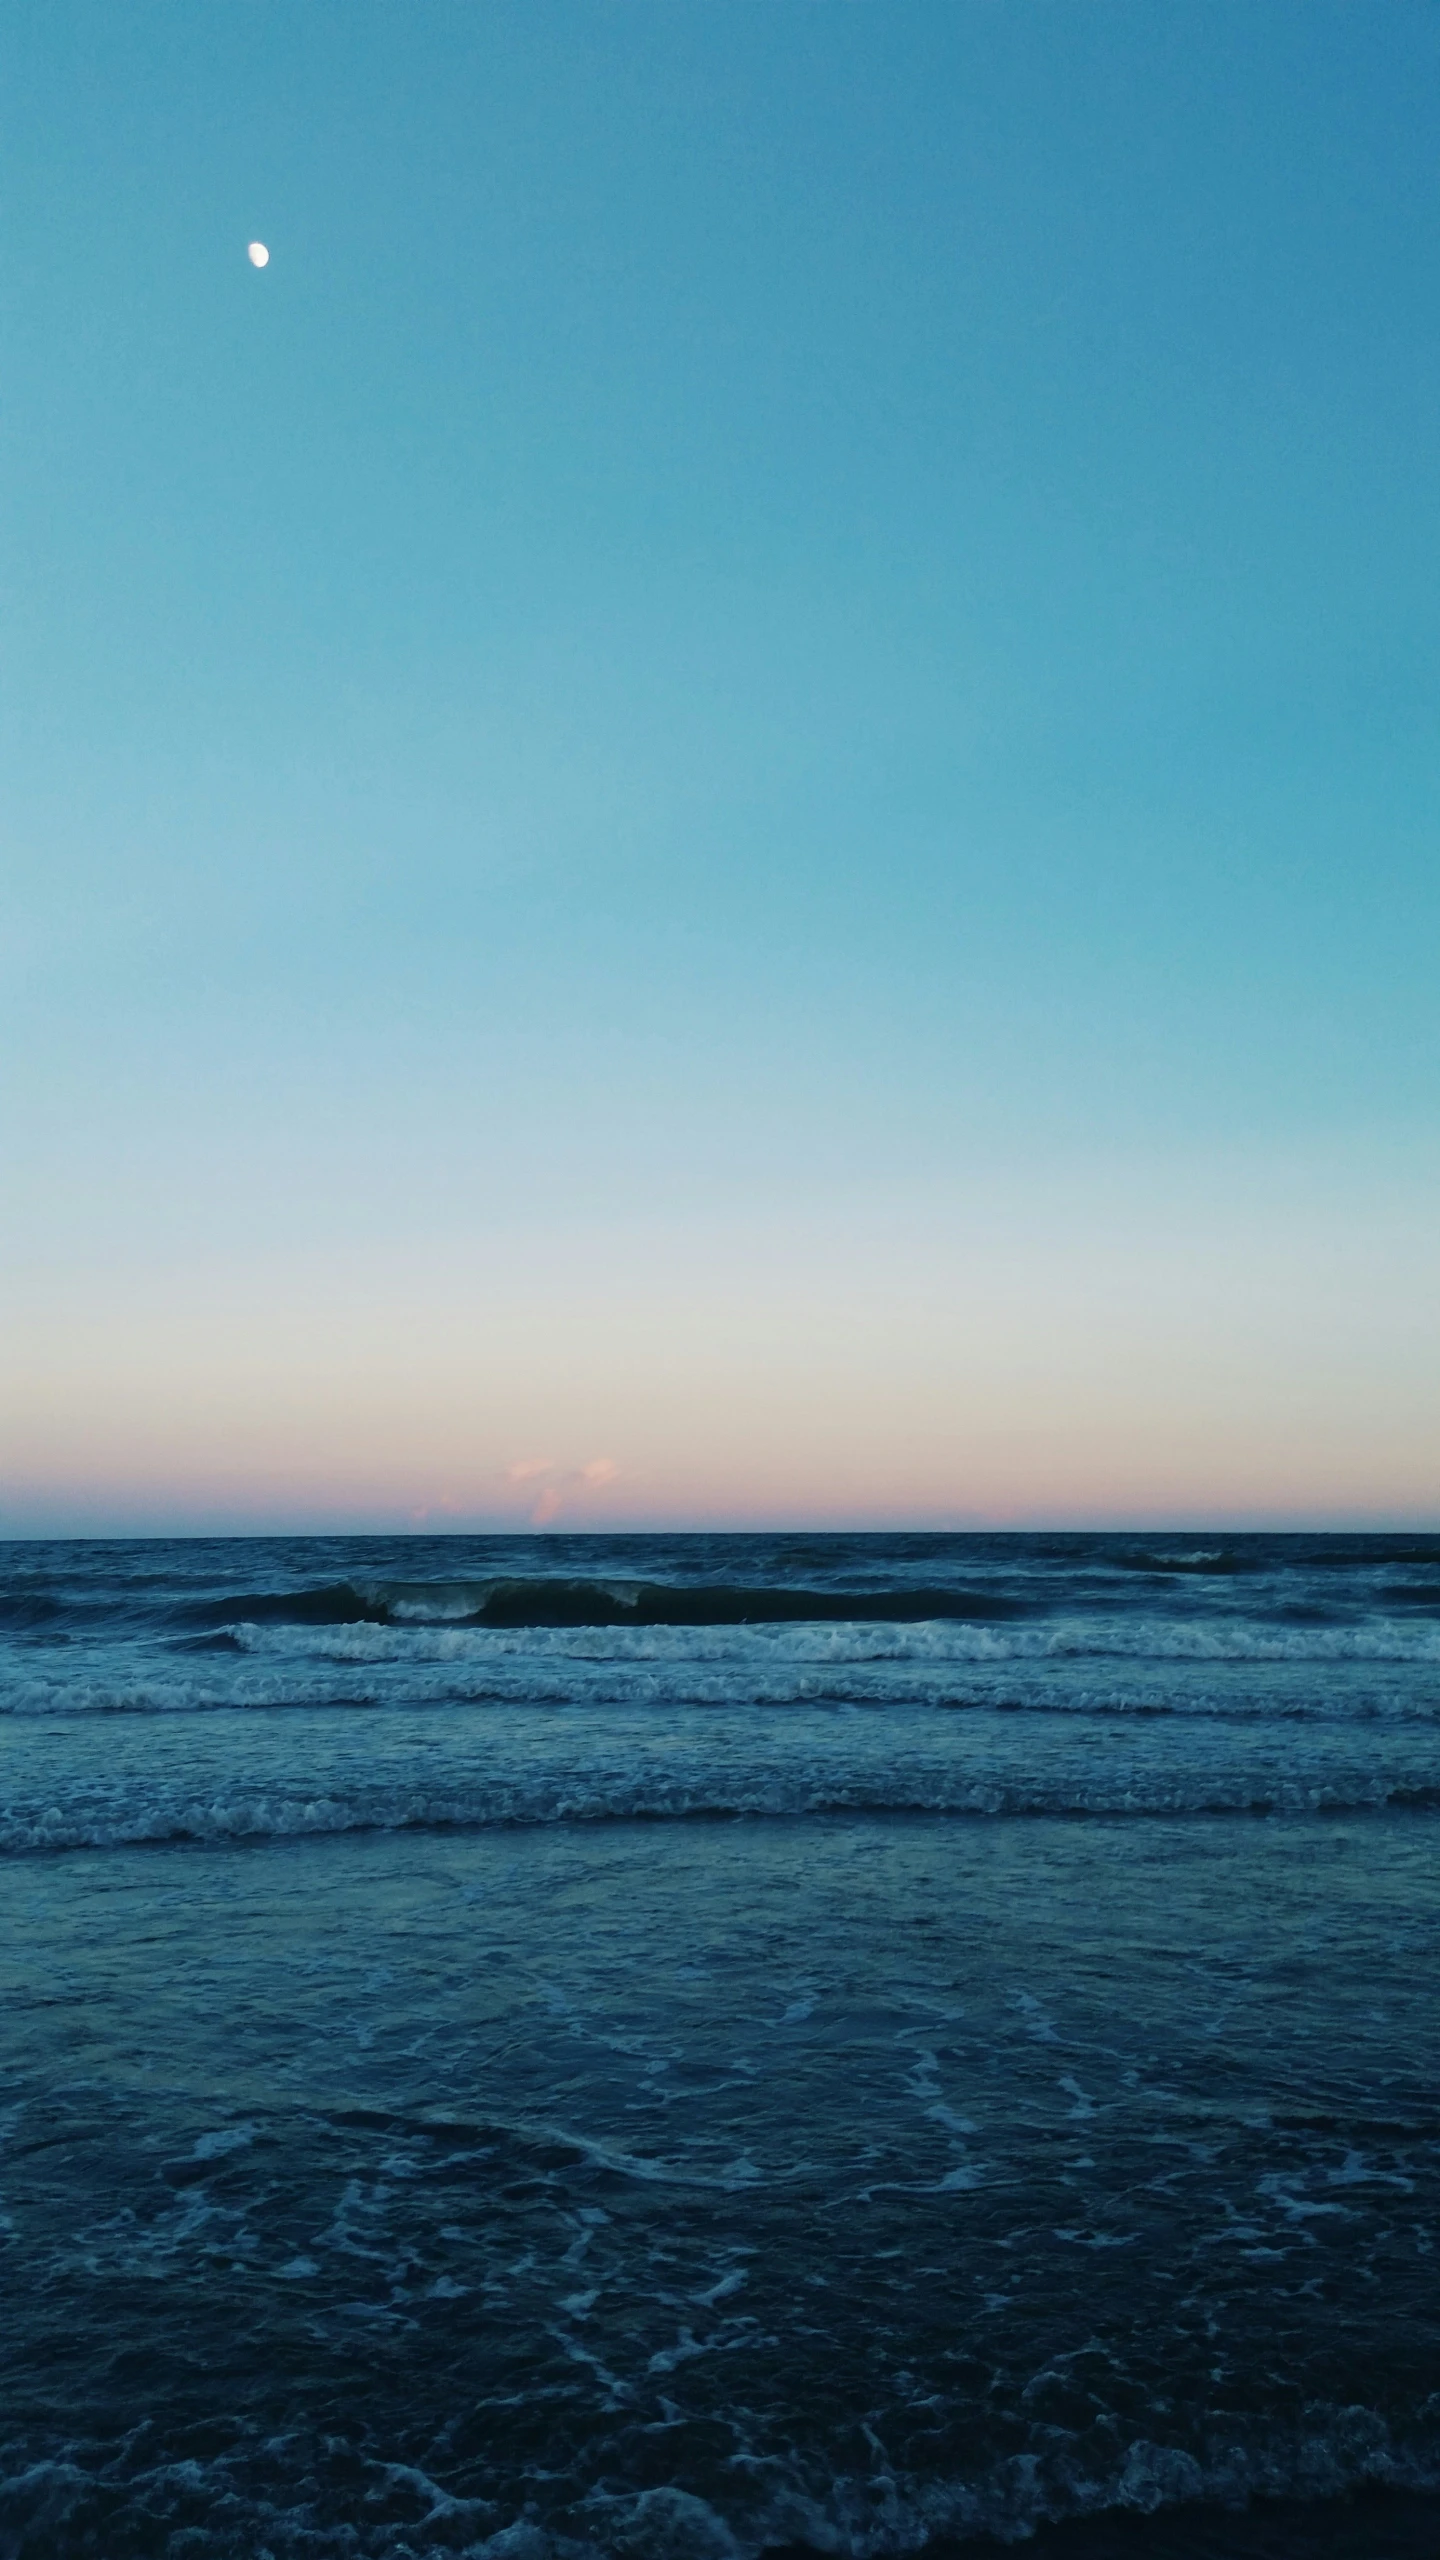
{"type": "Point", "coordinates": [365, 1691]}
{"type": "Point", "coordinates": [24, 1608]}
{"type": "Point", "coordinates": [1038, 2495]}
{"type": "Point", "coordinates": [549, 1601]}
{"type": "Point", "coordinates": [1204, 1560]}
{"type": "Point", "coordinates": [164, 1816]}
{"type": "Point", "coordinates": [931, 1639]}
{"type": "Point", "coordinates": [695, 1578]}
{"type": "Point", "coordinates": [1384, 1670]}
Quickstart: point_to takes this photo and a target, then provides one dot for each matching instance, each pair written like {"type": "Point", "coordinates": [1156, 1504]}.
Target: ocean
{"type": "Point", "coordinates": [681, 2047]}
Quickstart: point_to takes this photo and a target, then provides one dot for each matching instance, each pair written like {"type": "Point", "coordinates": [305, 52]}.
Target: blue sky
{"type": "Point", "coordinates": [738, 784]}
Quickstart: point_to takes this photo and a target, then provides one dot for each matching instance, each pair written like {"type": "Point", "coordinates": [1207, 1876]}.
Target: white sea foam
{"type": "Point", "coordinates": [882, 1669]}
{"type": "Point", "coordinates": [928, 1641]}
{"type": "Point", "coordinates": [147, 1815]}
{"type": "Point", "coordinates": [884, 2514]}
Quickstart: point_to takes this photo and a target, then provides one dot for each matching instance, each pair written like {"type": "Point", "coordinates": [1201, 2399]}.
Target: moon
{"type": "Point", "coordinates": [258, 254]}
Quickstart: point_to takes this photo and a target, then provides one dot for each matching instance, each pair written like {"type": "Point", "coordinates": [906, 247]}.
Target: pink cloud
{"type": "Point", "coordinates": [559, 1485]}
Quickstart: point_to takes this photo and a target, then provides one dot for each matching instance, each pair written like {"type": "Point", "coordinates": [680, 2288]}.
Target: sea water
{"type": "Point", "coordinates": [678, 2047]}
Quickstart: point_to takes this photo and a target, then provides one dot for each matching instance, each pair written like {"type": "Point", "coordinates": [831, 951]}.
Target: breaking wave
{"type": "Point", "coordinates": [857, 1633]}
{"type": "Point", "coordinates": [1385, 1668]}
{"type": "Point", "coordinates": [153, 1816]}
{"type": "Point", "coordinates": [549, 1601]}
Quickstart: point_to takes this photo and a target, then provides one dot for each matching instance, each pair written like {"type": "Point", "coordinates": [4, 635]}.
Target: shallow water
{"type": "Point", "coordinates": [688, 2088]}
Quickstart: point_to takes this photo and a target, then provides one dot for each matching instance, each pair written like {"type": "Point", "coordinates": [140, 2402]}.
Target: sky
{"type": "Point", "coordinates": [723, 812]}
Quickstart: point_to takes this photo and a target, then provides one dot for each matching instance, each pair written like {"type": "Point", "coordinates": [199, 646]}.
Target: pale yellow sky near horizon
{"type": "Point", "coordinates": [1228, 1339]}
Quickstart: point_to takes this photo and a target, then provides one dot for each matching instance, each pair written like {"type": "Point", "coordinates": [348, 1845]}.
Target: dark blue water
{"type": "Point", "coordinates": [681, 2047]}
